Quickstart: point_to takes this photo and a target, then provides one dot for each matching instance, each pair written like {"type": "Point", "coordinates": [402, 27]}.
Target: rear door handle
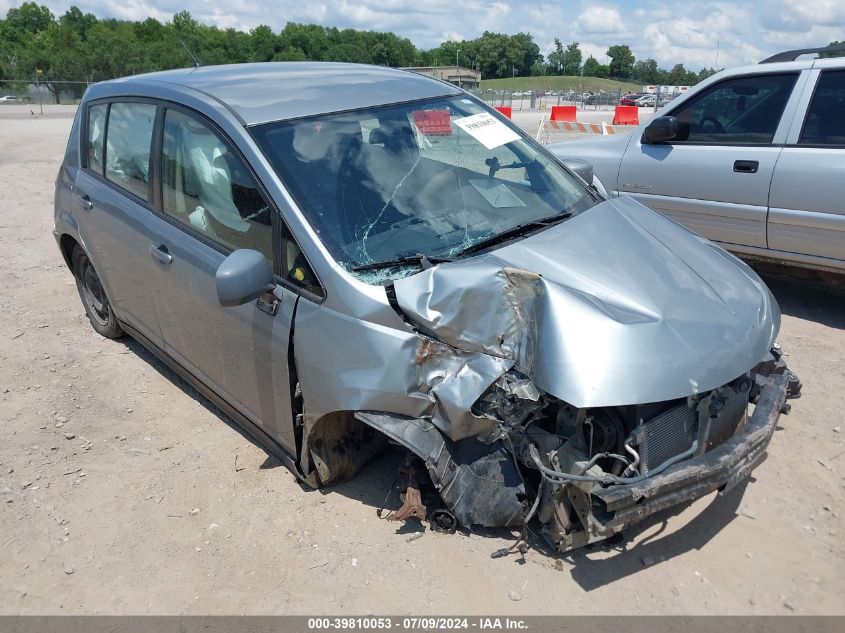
{"type": "Point", "coordinates": [86, 202]}
{"type": "Point", "coordinates": [746, 166]}
{"type": "Point", "coordinates": [161, 254]}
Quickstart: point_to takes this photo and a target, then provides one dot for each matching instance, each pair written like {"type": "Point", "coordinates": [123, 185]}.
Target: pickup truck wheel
{"type": "Point", "coordinates": [93, 296]}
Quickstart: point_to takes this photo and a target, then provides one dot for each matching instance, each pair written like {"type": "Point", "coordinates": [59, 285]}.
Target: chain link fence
{"type": "Point", "coordinates": [42, 91]}
{"type": "Point", "coordinates": [587, 98]}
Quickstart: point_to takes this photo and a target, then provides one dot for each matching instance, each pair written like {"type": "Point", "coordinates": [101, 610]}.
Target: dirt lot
{"type": "Point", "coordinates": [123, 491]}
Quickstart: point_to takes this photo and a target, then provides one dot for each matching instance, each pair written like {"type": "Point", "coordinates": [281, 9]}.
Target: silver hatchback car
{"type": "Point", "coordinates": [346, 256]}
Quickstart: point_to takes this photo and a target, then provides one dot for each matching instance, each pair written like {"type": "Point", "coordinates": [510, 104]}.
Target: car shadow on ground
{"type": "Point", "coordinates": [807, 295]}
{"type": "Point", "coordinates": [153, 361]}
{"type": "Point", "coordinates": [370, 486]}
{"type": "Point", "coordinates": [634, 552]}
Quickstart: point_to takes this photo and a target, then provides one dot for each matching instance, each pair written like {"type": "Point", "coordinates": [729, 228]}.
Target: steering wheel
{"type": "Point", "coordinates": [715, 126]}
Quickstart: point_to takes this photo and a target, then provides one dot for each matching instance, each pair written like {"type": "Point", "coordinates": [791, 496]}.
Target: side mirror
{"type": "Point", "coordinates": [663, 128]}
{"type": "Point", "coordinates": [580, 167]}
{"type": "Point", "coordinates": [243, 276]}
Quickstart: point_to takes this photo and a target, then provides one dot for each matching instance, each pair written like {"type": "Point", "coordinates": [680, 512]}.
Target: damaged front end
{"type": "Point", "coordinates": [587, 474]}
{"type": "Point", "coordinates": [599, 471]}
{"type": "Point", "coordinates": [585, 377]}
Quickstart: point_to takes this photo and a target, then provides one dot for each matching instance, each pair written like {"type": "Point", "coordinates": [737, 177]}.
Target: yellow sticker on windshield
{"type": "Point", "coordinates": [487, 129]}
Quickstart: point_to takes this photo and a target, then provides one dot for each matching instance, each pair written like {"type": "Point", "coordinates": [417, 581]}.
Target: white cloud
{"type": "Point", "coordinates": [688, 32]}
{"type": "Point", "coordinates": [820, 12]}
{"type": "Point", "coordinates": [600, 19]}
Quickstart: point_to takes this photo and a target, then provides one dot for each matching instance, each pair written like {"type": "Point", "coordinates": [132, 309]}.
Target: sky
{"type": "Point", "coordinates": [692, 32]}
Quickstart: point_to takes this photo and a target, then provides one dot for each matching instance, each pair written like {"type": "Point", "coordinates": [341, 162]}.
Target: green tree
{"type": "Point", "coordinates": [836, 54]}
{"type": "Point", "coordinates": [556, 59]}
{"type": "Point", "coordinates": [311, 39]}
{"type": "Point", "coordinates": [572, 59]}
{"type": "Point", "coordinates": [591, 67]}
{"type": "Point", "coordinates": [79, 46]}
{"type": "Point", "coordinates": [524, 53]}
{"type": "Point", "coordinates": [621, 60]}
{"type": "Point", "coordinates": [677, 76]}
{"type": "Point", "coordinates": [290, 54]}
{"type": "Point", "coordinates": [78, 21]}
{"type": "Point", "coordinates": [646, 71]}
{"type": "Point", "coordinates": [263, 44]}
{"type": "Point", "coordinates": [29, 19]}
{"type": "Point", "coordinates": [703, 74]}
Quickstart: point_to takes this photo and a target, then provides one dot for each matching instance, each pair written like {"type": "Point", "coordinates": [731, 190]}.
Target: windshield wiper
{"type": "Point", "coordinates": [516, 231]}
{"type": "Point", "coordinates": [423, 261]}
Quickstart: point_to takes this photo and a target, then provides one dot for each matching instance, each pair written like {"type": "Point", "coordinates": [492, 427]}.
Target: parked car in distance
{"type": "Point", "coordinates": [601, 98]}
{"type": "Point", "coordinates": [630, 98]}
{"type": "Point", "coordinates": [752, 158]}
{"type": "Point", "coordinates": [340, 267]}
{"type": "Point", "coordinates": [8, 99]}
{"type": "Point", "coordinates": [645, 101]}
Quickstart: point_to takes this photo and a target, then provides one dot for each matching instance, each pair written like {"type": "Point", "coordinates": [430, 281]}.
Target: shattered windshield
{"type": "Point", "coordinates": [394, 188]}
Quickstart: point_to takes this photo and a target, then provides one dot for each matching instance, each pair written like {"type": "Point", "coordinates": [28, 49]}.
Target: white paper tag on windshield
{"type": "Point", "coordinates": [488, 130]}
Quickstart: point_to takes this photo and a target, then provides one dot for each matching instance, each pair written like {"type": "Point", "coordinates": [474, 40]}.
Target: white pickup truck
{"type": "Point", "coordinates": [752, 158]}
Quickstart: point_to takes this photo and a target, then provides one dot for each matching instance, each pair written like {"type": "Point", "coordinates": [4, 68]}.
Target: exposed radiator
{"type": "Point", "coordinates": [665, 436]}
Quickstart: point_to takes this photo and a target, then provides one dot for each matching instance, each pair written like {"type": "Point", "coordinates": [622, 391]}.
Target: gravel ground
{"type": "Point", "coordinates": [122, 491]}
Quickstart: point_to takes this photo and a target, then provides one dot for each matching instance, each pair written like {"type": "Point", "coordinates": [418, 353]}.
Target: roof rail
{"type": "Point", "coordinates": [791, 56]}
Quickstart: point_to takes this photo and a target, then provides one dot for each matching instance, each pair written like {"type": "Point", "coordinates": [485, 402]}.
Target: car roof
{"type": "Point", "coordinates": [273, 91]}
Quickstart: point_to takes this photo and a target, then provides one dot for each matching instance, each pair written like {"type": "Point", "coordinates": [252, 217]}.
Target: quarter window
{"type": "Point", "coordinates": [130, 132]}
{"type": "Point", "coordinates": [209, 188]}
{"type": "Point", "coordinates": [743, 110]}
{"type": "Point", "coordinates": [295, 268]}
{"type": "Point", "coordinates": [96, 136]}
{"type": "Point", "coordinates": [825, 123]}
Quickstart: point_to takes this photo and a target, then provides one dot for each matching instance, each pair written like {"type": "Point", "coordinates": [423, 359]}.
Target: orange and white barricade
{"type": "Point", "coordinates": [548, 129]}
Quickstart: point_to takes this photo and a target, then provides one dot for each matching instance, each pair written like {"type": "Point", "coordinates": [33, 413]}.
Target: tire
{"type": "Point", "coordinates": [93, 296]}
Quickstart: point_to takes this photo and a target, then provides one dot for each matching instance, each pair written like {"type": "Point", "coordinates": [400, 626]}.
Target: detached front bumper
{"type": "Point", "coordinates": [719, 469]}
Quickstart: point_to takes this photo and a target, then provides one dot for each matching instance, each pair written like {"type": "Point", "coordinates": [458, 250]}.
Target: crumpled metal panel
{"type": "Point", "coordinates": [479, 483]}
{"type": "Point", "coordinates": [478, 305]}
{"type": "Point", "coordinates": [615, 306]}
{"type": "Point", "coordinates": [347, 364]}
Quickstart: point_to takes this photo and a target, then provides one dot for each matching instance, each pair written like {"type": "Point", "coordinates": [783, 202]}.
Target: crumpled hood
{"type": "Point", "coordinates": [615, 306]}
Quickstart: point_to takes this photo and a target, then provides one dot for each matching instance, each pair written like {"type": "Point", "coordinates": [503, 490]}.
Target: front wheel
{"type": "Point", "coordinates": [93, 296]}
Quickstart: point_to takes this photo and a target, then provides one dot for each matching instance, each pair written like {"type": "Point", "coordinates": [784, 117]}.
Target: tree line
{"type": "Point", "coordinates": [78, 46]}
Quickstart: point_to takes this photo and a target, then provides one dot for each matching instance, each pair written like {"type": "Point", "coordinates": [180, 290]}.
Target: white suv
{"type": "Point", "coordinates": [752, 158]}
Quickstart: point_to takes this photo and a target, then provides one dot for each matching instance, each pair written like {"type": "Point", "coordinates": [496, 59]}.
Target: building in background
{"type": "Point", "coordinates": [458, 75]}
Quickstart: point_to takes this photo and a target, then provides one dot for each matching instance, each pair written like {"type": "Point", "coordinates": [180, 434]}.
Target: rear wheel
{"type": "Point", "coordinates": [93, 296]}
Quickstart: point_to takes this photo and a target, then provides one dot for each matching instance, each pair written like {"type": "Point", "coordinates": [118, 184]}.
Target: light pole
{"type": "Point", "coordinates": [581, 87]}
{"type": "Point", "coordinates": [38, 72]}
{"type": "Point", "coordinates": [458, 64]}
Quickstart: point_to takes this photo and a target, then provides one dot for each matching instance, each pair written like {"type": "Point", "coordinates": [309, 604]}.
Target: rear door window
{"type": "Point", "coordinates": [742, 110]}
{"type": "Point", "coordinates": [130, 132]}
{"type": "Point", "coordinates": [825, 122]}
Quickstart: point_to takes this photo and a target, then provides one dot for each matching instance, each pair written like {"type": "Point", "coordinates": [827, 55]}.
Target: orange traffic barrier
{"type": "Point", "coordinates": [506, 110]}
{"type": "Point", "coordinates": [563, 113]}
{"type": "Point", "coordinates": [433, 122]}
{"type": "Point", "coordinates": [626, 115]}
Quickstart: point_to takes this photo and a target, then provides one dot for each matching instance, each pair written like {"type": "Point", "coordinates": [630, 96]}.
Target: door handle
{"type": "Point", "coordinates": [161, 254]}
{"type": "Point", "coordinates": [86, 202]}
{"type": "Point", "coordinates": [746, 166]}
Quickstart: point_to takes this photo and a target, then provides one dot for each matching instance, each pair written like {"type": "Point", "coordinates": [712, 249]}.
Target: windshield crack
{"type": "Point", "coordinates": [362, 249]}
